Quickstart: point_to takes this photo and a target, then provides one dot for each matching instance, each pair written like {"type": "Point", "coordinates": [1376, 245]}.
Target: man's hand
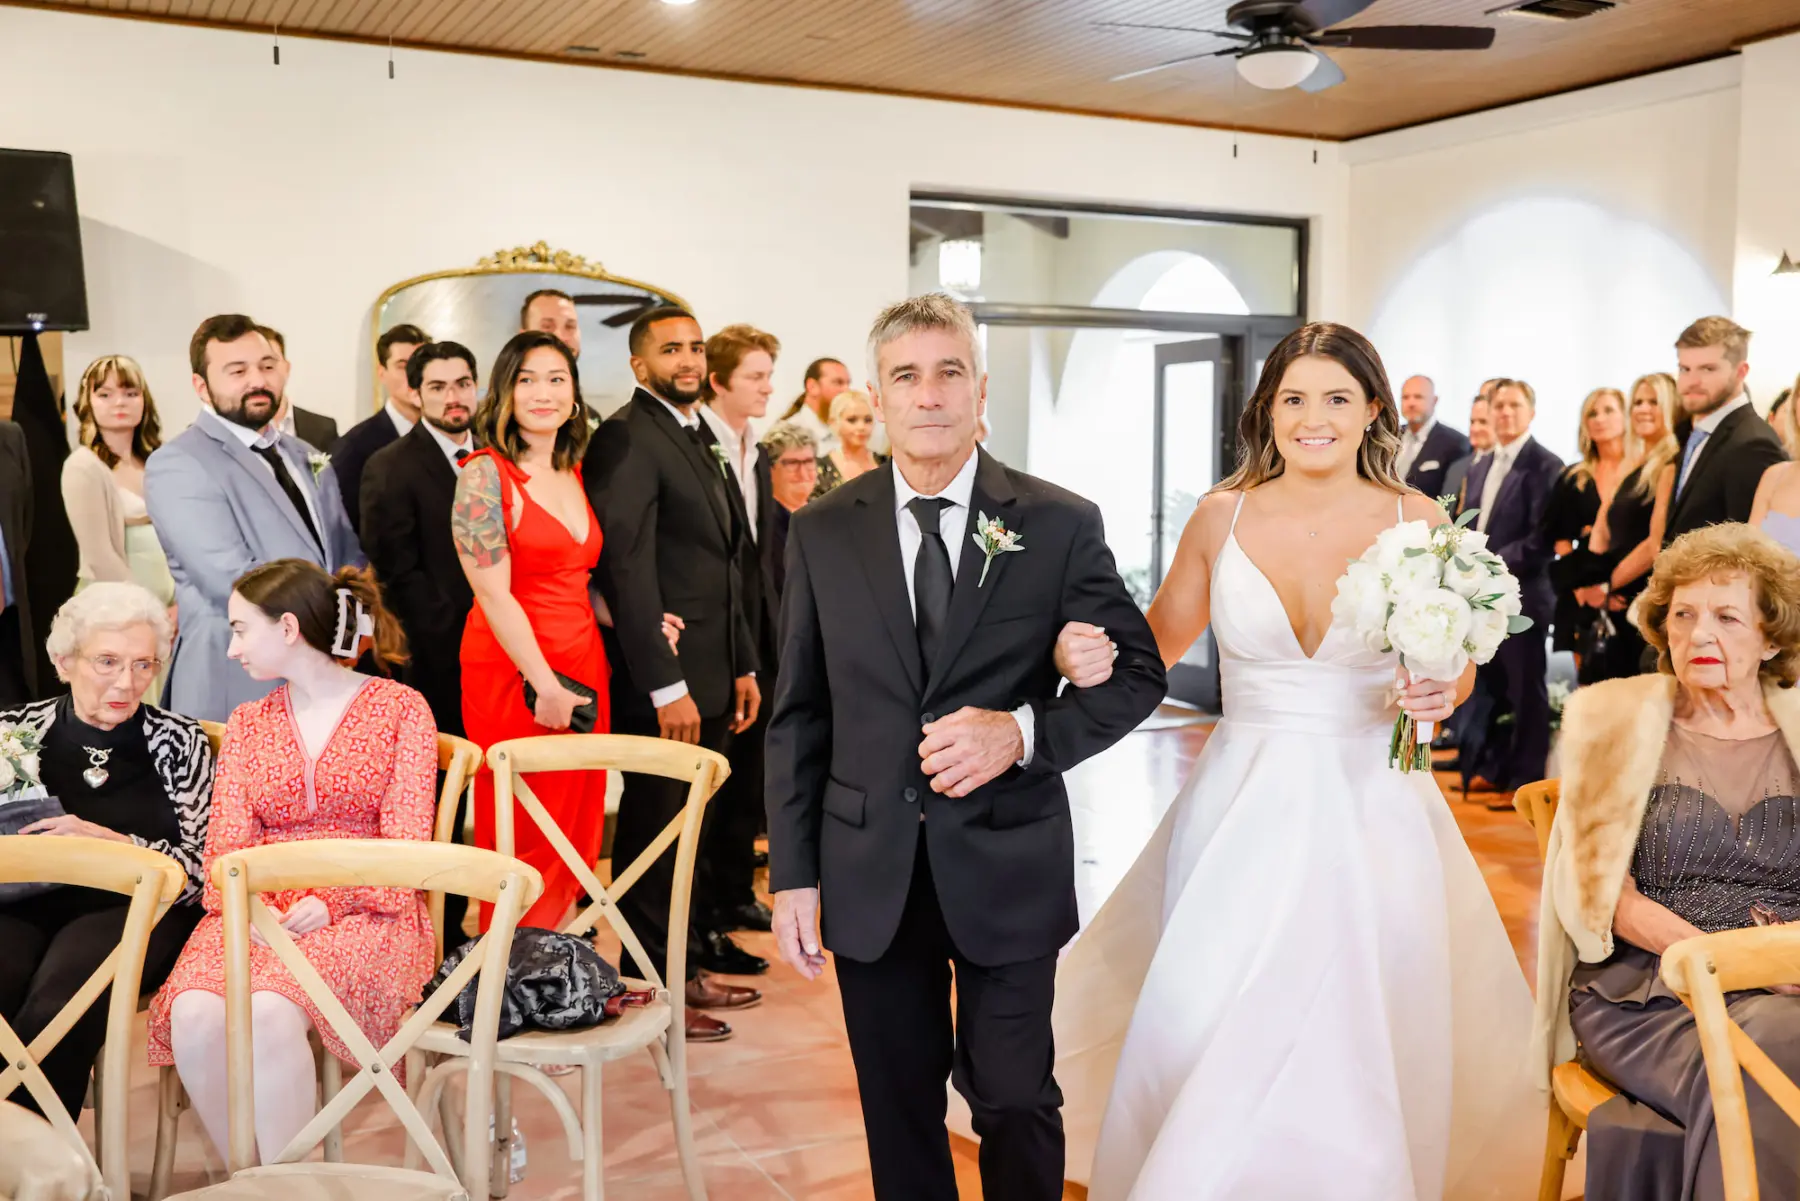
{"type": "Point", "coordinates": [671, 630]}
{"type": "Point", "coordinates": [796, 926]}
{"type": "Point", "coordinates": [966, 749]}
{"type": "Point", "coordinates": [749, 702]}
{"type": "Point", "coordinates": [1084, 654]}
{"type": "Point", "coordinates": [679, 720]}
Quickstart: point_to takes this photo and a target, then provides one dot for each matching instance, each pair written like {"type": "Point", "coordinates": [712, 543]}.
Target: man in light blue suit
{"type": "Point", "coordinates": [228, 494]}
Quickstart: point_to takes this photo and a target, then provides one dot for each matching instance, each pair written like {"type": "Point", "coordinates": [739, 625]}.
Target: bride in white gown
{"type": "Point", "coordinates": [1326, 1002]}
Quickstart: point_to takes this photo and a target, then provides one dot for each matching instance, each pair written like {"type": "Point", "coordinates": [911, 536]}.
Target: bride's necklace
{"type": "Point", "coordinates": [96, 774]}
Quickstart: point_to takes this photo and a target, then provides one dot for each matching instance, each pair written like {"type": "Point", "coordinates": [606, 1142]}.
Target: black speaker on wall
{"type": "Point", "coordinates": [42, 286]}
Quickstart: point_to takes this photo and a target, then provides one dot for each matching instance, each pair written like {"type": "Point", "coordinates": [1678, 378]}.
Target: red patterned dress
{"type": "Point", "coordinates": [376, 778]}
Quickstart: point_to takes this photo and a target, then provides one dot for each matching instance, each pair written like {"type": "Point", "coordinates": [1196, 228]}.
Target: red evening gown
{"type": "Point", "coordinates": [375, 778]}
{"type": "Point", "coordinates": [550, 572]}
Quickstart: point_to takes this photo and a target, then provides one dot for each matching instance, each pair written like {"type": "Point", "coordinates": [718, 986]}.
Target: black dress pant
{"type": "Point", "coordinates": [52, 943]}
{"type": "Point", "coordinates": [726, 871]}
{"type": "Point", "coordinates": [647, 804]}
{"type": "Point", "coordinates": [12, 660]}
{"type": "Point", "coordinates": [1516, 752]}
{"type": "Point", "coordinates": [998, 1051]}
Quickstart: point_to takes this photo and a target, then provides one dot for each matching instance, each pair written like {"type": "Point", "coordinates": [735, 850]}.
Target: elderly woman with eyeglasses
{"type": "Point", "coordinates": [122, 771]}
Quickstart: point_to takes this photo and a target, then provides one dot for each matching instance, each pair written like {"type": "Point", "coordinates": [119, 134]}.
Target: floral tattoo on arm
{"type": "Point", "coordinates": [478, 520]}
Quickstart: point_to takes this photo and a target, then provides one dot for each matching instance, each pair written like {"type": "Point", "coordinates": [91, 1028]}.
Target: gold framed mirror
{"type": "Point", "coordinates": [480, 307]}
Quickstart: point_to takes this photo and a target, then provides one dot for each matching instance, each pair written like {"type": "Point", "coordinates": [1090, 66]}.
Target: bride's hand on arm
{"type": "Point", "coordinates": [1183, 605]}
{"type": "Point", "coordinates": [478, 526]}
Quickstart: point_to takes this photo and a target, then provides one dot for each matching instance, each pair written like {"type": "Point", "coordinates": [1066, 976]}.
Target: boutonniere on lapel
{"type": "Point", "coordinates": [318, 460]}
{"type": "Point", "coordinates": [719, 454]}
{"type": "Point", "coordinates": [993, 538]}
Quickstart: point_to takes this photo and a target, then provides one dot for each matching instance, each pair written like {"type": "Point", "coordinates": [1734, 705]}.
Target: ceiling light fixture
{"type": "Point", "coordinates": [678, 3]}
{"type": "Point", "coordinates": [959, 264]}
{"type": "Point", "coordinates": [1787, 266]}
{"type": "Point", "coordinates": [1277, 66]}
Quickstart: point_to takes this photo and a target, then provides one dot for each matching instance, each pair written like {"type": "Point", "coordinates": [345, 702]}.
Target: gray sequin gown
{"type": "Point", "coordinates": [1721, 833]}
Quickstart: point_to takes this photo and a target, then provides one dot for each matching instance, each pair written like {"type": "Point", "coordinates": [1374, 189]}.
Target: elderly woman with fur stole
{"type": "Point", "coordinates": [1678, 816]}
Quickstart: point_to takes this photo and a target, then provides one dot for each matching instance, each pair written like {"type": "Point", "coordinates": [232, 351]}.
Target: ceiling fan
{"type": "Point", "coordinates": [1279, 41]}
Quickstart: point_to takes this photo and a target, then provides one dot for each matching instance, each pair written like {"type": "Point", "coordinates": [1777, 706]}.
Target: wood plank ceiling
{"type": "Point", "coordinates": [1038, 53]}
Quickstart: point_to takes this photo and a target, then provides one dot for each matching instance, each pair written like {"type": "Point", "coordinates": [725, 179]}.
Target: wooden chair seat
{"type": "Point", "coordinates": [330, 1182]}
{"type": "Point", "coordinates": [629, 1033]}
{"type": "Point", "coordinates": [1579, 1092]}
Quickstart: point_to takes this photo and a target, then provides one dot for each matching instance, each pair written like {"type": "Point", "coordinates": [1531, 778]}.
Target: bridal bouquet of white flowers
{"type": "Point", "coordinates": [1438, 597]}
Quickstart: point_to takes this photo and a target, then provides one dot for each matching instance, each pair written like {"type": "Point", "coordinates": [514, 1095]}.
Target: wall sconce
{"type": "Point", "coordinates": [1787, 266]}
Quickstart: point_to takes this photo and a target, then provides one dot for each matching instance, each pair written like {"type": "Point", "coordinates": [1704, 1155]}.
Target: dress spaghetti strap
{"type": "Point", "coordinates": [1234, 513]}
{"type": "Point", "coordinates": [1399, 509]}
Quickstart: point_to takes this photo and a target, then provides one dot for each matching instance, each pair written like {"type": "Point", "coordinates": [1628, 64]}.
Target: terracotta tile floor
{"type": "Point", "coordinates": [777, 1114]}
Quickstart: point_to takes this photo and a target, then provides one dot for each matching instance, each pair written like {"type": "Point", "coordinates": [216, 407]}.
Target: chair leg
{"type": "Point", "coordinates": [593, 1144]}
{"type": "Point", "coordinates": [451, 1122]}
{"type": "Point", "coordinates": [96, 1090]}
{"type": "Point", "coordinates": [683, 1114]}
{"type": "Point", "coordinates": [171, 1099]}
{"type": "Point", "coordinates": [500, 1177]}
{"type": "Point", "coordinates": [331, 1081]}
{"type": "Point", "coordinates": [415, 1089]}
{"type": "Point", "coordinates": [1560, 1142]}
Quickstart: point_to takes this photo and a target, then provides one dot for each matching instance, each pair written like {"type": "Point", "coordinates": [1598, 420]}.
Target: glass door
{"type": "Point", "coordinates": [1190, 441]}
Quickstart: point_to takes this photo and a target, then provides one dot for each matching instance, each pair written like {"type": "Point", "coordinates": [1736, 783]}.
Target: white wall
{"type": "Point", "coordinates": [210, 180]}
{"type": "Point", "coordinates": [1566, 241]}
{"type": "Point", "coordinates": [1768, 211]}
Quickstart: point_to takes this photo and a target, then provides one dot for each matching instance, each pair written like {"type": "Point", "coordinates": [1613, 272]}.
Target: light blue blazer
{"type": "Point", "coordinates": [218, 512]}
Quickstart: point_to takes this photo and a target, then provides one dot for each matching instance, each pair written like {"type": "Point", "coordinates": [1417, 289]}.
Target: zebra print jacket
{"type": "Point", "coordinates": [184, 760]}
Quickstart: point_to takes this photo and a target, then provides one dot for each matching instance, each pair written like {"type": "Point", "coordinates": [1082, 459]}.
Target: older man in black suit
{"type": "Point", "coordinates": [1729, 446]}
{"type": "Point", "coordinates": [1509, 489]}
{"type": "Point", "coordinates": [1427, 447]}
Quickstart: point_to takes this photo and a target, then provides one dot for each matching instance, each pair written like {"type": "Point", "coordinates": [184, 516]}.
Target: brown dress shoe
{"type": "Point", "coordinates": [703, 1029]}
{"type": "Point", "coordinates": [704, 992]}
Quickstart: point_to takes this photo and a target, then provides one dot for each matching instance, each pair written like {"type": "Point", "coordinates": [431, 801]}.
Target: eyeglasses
{"type": "Point", "coordinates": [108, 667]}
{"type": "Point", "coordinates": [798, 465]}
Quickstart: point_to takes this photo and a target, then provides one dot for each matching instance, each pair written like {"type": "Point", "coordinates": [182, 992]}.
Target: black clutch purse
{"type": "Point", "coordinates": [582, 720]}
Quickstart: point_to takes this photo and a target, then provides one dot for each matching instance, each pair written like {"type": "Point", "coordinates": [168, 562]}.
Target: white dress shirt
{"type": "Point", "coordinates": [1504, 453]}
{"type": "Point", "coordinates": [1411, 444]}
{"type": "Point", "coordinates": [270, 435]}
{"type": "Point", "coordinates": [742, 450]}
{"type": "Point", "coordinates": [813, 424]}
{"type": "Point", "coordinates": [1706, 426]}
{"type": "Point", "coordinates": [450, 446]}
{"type": "Point", "coordinates": [671, 693]}
{"type": "Point", "coordinates": [953, 524]}
{"type": "Point", "coordinates": [402, 423]}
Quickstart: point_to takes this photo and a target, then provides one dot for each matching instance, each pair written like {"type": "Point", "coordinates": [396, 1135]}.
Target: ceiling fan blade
{"type": "Point", "coordinates": [1411, 37]}
{"type": "Point", "coordinates": [1323, 14]}
{"type": "Point", "coordinates": [1174, 62]}
{"type": "Point", "coordinates": [1326, 75]}
{"type": "Point", "coordinates": [1217, 33]}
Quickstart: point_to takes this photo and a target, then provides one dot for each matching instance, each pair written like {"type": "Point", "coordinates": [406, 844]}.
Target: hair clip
{"type": "Point", "coordinates": [353, 624]}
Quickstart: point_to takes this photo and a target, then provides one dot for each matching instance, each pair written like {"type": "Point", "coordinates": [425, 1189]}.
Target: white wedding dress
{"type": "Point", "coordinates": [1302, 988]}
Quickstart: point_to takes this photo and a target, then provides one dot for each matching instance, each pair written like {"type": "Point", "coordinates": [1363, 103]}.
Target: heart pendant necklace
{"type": "Point", "coordinates": [96, 774]}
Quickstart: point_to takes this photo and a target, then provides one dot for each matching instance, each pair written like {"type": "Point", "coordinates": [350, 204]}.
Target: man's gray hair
{"type": "Point", "coordinates": [784, 436]}
{"type": "Point", "coordinates": [934, 310]}
{"type": "Point", "coordinates": [107, 605]}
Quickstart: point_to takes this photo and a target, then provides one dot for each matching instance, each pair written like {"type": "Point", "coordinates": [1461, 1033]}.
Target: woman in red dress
{"type": "Point", "coordinates": [329, 754]}
{"type": "Point", "coordinates": [528, 541]}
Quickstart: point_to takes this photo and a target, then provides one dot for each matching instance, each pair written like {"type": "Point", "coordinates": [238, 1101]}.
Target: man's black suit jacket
{"type": "Point", "coordinates": [350, 456]}
{"type": "Point", "coordinates": [1443, 446]}
{"type": "Point", "coordinates": [844, 786]}
{"type": "Point", "coordinates": [16, 502]}
{"type": "Point", "coordinates": [671, 545]}
{"type": "Point", "coordinates": [1515, 529]}
{"type": "Point", "coordinates": [1722, 483]}
{"type": "Point", "coordinates": [315, 429]}
{"type": "Point", "coordinates": [762, 600]}
{"type": "Point", "coordinates": [408, 490]}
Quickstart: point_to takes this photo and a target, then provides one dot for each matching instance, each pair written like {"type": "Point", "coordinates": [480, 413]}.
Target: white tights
{"type": "Point", "coordinates": [285, 1094]}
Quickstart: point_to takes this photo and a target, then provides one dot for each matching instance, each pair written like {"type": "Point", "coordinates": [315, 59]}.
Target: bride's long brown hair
{"type": "Point", "coordinates": [1258, 459]}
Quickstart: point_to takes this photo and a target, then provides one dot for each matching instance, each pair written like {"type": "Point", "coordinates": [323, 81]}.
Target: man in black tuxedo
{"type": "Point", "coordinates": [315, 429]}
{"type": "Point", "coordinates": [1729, 446]}
{"type": "Point", "coordinates": [672, 538]}
{"type": "Point", "coordinates": [1509, 488]}
{"type": "Point", "coordinates": [18, 641]}
{"type": "Point", "coordinates": [1427, 447]}
{"type": "Point", "coordinates": [351, 453]}
{"type": "Point", "coordinates": [914, 763]}
{"type": "Point", "coordinates": [740, 371]}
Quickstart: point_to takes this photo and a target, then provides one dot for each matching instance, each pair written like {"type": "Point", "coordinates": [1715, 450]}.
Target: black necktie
{"type": "Point", "coordinates": [278, 465]}
{"type": "Point", "coordinates": [460, 456]}
{"type": "Point", "coordinates": [931, 576]}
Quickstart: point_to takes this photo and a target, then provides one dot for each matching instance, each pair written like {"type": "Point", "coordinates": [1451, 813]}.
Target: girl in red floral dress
{"type": "Point", "coordinates": [330, 754]}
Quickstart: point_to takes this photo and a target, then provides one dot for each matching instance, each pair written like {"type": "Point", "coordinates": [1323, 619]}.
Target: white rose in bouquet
{"type": "Point", "coordinates": [1423, 572]}
{"type": "Point", "coordinates": [1471, 541]}
{"type": "Point", "coordinates": [1467, 577]}
{"type": "Point", "coordinates": [1392, 544]}
{"type": "Point", "coordinates": [7, 776]}
{"type": "Point", "coordinates": [1362, 603]}
{"type": "Point", "coordinates": [1428, 629]}
{"type": "Point", "coordinates": [1507, 587]}
{"type": "Point", "coordinates": [29, 763]}
{"type": "Point", "coordinates": [1487, 630]}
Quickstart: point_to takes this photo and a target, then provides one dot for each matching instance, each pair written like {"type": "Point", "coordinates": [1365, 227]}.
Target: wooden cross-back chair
{"type": "Point", "coordinates": [241, 877]}
{"type": "Point", "coordinates": [458, 759]}
{"type": "Point", "coordinates": [1575, 1091]}
{"type": "Point", "coordinates": [1701, 971]}
{"type": "Point", "coordinates": [153, 881]}
{"type": "Point", "coordinates": [659, 1028]}
{"type": "Point", "coordinates": [37, 1163]}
